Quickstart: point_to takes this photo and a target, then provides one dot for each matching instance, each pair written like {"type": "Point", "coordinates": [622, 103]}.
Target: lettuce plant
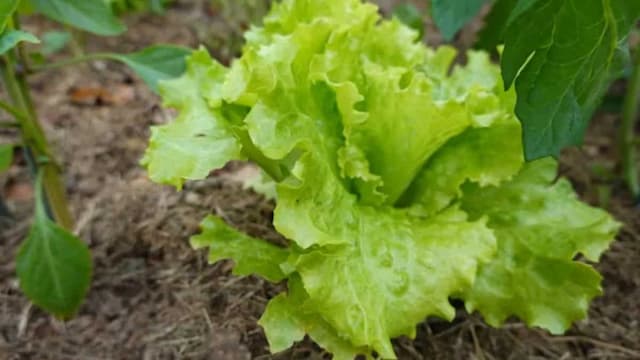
{"type": "Point", "coordinates": [400, 182]}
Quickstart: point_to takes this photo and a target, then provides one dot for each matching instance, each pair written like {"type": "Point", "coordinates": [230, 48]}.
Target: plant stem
{"type": "Point", "coordinates": [21, 50]}
{"type": "Point", "coordinates": [77, 41]}
{"type": "Point", "coordinates": [71, 61]}
{"type": "Point", "coordinates": [270, 167]}
{"type": "Point", "coordinates": [9, 125]}
{"type": "Point", "coordinates": [627, 131]}
{"type": "Point", "coordinates": [11, 110]}
{"type": "Point", "coordinates": [34, 139]}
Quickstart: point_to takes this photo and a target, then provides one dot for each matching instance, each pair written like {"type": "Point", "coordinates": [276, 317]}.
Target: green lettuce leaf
{"type": "Point", "coordinates": [491, 156]}
{"type": "Point", "coordinates": [286, 320]}
{"type": "Point", "coordinates": [200, 139]}
{"type": "Point", "coordinates": [397, 271]}
{"type": "Point", "coordinates": [394, 113]}
{"type": "Point", "coordinates": [490, 149]}
{"type": "Point", "coordinates": [252, 256]}
{"type": "Point", "coordinates": [541, 227]}
{"type": "Point", "coordinates": [310, 205]}
{"type": "Point", "coordinates": [378, 285]}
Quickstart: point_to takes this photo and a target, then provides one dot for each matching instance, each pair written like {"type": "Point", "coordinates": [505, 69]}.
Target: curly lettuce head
{"type": "Point", "coordinates": [400, 181]}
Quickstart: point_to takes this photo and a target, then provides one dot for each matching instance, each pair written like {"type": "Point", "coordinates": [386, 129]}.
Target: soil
{"type": "Point", "coordinates": [153, 297]}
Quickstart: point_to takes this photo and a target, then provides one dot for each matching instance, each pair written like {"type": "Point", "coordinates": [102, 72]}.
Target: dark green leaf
{"type": "Point", "coordinates": [410, 16]}
{"type": "Point", "coordinates": [451, 15]}
{"type": "Point", "coordinates": [54, 41]}
{"type": "Point", "coordinates": [11, 38]}
{"type": "Point", "coordinates": [7, 7]}
{"type": "Point", "coordinates": [54, 267]}
{"type": "Point", "coordinates": [562, 55]}
{"type": "Point", "coordinates": [520, 8]}
{"type": "Point", "coordinates": [6, 157]}
{"type": "Point", "coordinates": [156, 63]}
{"type": "Point", "coordinates": [492, 34]}
{"type": "Point", "coordinates": [90, 15]}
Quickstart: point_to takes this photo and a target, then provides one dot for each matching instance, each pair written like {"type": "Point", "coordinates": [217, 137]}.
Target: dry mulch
{"type": "Point", "coordinates": [154, 298]}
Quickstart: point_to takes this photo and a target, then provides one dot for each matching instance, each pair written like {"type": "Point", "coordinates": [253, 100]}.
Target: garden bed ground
{"type": "Point", "coordinates": [154, 298]}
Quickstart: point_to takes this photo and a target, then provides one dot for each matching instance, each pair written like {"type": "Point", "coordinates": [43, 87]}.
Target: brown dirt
{"type": "Point", "coordinates": [154, 298]}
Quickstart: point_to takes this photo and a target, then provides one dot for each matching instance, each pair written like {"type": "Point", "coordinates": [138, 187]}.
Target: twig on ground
{"type": "Point", "coordinates": [603, 344]}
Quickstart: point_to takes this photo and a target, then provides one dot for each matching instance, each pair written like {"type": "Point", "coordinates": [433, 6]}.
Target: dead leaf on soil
{"type": "Point", "coordinates": [19, 192]}
{"type": "Point", "coordinates": [116, 95]}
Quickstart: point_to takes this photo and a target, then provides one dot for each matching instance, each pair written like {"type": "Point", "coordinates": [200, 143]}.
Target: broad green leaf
{"type": "Point", "coordinates": [6, 157]}
{"type": "Point", "coordinates": [54, 266]}
{"type": "Point", "coordinates": [200, 139]}
{"type": "Point", "coordinates": [541, 226]}
{"type": "Point", "coordinates": [411, 16]}
{"type": "Point", "coordinates": [7, 8]}
{"type": "Point", "coordinates": [562, 55]}
{"type": "Point", "coordinates": [11, 38]}
{"type": "Point", "coordinates": [520, 8]}
{"type": "Point", "coordinates": [54, 41]}
{"type": "Point", "coordinates": [156, 63]}
{"type": "Point", "coordinates": [492, 34]}
{"type": "Point", "coordinates": [451, 15]}
{"type": "Point", "coordinates": [90, 15]}
{"type": "Point", "coordinates": [252, 256]}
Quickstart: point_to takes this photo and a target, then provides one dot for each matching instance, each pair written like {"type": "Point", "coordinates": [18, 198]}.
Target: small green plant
{"type": "Point", "coordinates": [54, 266]}
{"type": "Point", "coordinates": [400, 182]}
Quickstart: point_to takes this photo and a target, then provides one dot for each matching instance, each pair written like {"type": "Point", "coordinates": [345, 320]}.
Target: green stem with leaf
{"type": "Point", "coordinates": [72, 61]}
{"type": "Point", "coordinates": [34, 138]}
{"type": "Point", "coordinates": [628, 139]}
{"type": "Point", "coordinates": [11, 110]}
{"type": "Point", "coordinates": [9, 125]}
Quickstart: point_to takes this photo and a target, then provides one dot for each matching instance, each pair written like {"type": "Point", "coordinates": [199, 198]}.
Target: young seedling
{"type": "Point", "coordinates": [53, 265]}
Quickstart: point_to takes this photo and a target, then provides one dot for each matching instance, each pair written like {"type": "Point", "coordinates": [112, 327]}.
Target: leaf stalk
{"type": "Point", "coordinates": [627, 131]}
{"type": "Point", "coordinates": [34, 139]}
{"type": "Point", "coordinates": [71, 61]}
